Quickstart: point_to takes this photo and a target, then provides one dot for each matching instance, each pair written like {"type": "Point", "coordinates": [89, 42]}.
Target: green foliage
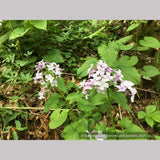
{"type": "Point", "coordinates": [73, 130]}
{"type": "Point", "coordinates": [40, 24]}
{"type": "Point", "coordinates": [61, 85]}
{"type": "Point", "coordinates": [18, 32]}
{"type": "Point", "coordinates": [57, 118]}
{"type": "Point", "coordinates": [149, 71]}
{"type": "Point", "coordinates": [132, 27]}
{"type": "Point", "coordinates": [51, 102]}
{"type": "Point", "coordinates": [53, 55]}
{"type": "Point", "coordinates": [74, 97]}
{"type": "Point", "coordinates": [150, 42]}
{"type": "Point", "coordinates": [121, 99]}
{"type": "Point", "coordinates": [150, 116]}
{"type": "Point", "coordinates": [82, 71]}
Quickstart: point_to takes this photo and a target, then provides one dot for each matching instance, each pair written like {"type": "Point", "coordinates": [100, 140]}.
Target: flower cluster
{"type": "Point", "coordinates": [102, 77]}
{"type": "Point", "coordinates": [47, 73]}
{"type": "Point", "coordinates": [0, 22]}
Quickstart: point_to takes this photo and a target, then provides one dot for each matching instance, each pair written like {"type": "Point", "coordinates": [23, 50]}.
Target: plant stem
{"type": "Point", "coordinates": [110, 109]}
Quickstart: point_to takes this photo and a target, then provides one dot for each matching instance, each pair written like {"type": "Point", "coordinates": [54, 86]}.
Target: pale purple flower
{"type": "Point", "coordinates": [41, 95]}
{"type": "Point", "coordinates": [40, 65]}
{"type": "Point", "coordinates": [49, 78]}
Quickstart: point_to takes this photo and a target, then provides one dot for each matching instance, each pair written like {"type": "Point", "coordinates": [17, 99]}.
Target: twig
{"type": "Point", "coordinates": [146, 90]}
{"type": "Point", "coordinates": [35, 108]}
{"type": "Point", "coordinates": [70, 74]}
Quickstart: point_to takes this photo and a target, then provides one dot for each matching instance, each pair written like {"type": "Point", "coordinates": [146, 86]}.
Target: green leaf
{"type": "Point", "coordinates": [18, 32]}
{"type": "Point", "coordinates": [125, 39]}
{"type": "Point", "coordinates": [82, 71]}
{"type": "Point", "coordinates": [157, 137]}
{"type": "Point", "coordinates": [54, 55]}
{"type": "Point", "coordinates": [94, 34]}
{"type": "Point", "coordinates": [150, 109]}
{"type": "Point", "coordinates": [51, 102]}
{"type": "Point", "coordinates": [121, 99]}
{"type": "Point", "coordinates": [10, 118]}
{"type": "Point", "coordinates": [15, 136]}
{"type": "Point", "coordinates": [18, 125]}
{"type": "Point", "coordinates": [125, 47]}
{"type": "Point", "coordinates": [128, 61]}
{"type": "Point", "coordinates": [4, 37]}
{"type": "Point", "coordinates": [149, 71]}
{"type": "Point", "coordinates": [61, 85]}
{"type": "Point", "coordinates": [133, 26]}
{"type": "Point", "coordinates": [85, 106]}
{"type": "Point", "coordinates": [142, 48]}
{"type": "Point", "coordinates": [130, 74]}
{"type": "Point", "coordinates": [141, 114]}
{"type": "Point", "coordinates": [107, 54]}
{"type": "Point", "coordinates": [155, 116]}
{"type": "Point", "coordinates": [40, 24]}
{"type": "Point", "coordinates": [150, 42]}
{"type": "Point", "coordinates": [57, 118]}
{"type": "Point", "coordinates": [149, 121]}
{"type": "Point", "coordinates": [73, 130]}
{"type": "Point", "coordinates": [74, 97]}
{"type": "Point", "coordinates": [98, 99]}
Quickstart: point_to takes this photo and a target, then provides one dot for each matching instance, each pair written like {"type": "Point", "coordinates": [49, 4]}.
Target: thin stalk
{"type": "Point", "coordinates": [110, 109]}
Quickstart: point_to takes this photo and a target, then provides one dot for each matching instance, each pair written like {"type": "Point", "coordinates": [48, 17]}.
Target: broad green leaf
{"type": "Point", "coordinates": [57, 118]}
{"type": "Point", "coordinates": [51, 102]}
{"type": "Point", "coordinates": [133, 26]}
{"type": "Point", "coordinates": [142, 48]}
{"type": "Point", "coordinates": [150, 109]}
{"type": "Point", "coordinates": [54, 55]}
{"type": "Point", "coordinates": [149, 71]}
{"type": "Point", "coordinates": [85, 106]}
{"type": "Point", "coordinates": [40, 24]}
{"type": "Point", "coordinates": [61, 85]}
{"type": "Point", "coordinates": [74, 97]}
{"type": "Point", "coordinates": [10, 118]}
{"type": "Point", "coordinates": [155, 116]}
{"type": "Point", "coordinates": [157, 137]}
{"type": "Point", "coordinates": [130, 74]}
{"type": "Point", "coordinates": [82, 71]}
{"type": "Point", "coordinates": [15, 136]}
{"type": "Point", "coordinates": [18, 32]}
{"type": "Point", "coordinates": [125, 47]}
{"type": "Point", "coordinates": [125, 39]}
{"type": "Point", "coordinates": [18, 125]}
{"type": "Point", "coordinates": [150, 42]}
{"type": "Point", "coordinates": [107, 55]}
{"type": "Point", "coordinates": [128, 61]}
{"type": "Point", "coordinates": [94, 34]}
{"type": "Point", "coordinates": [73, 130]}
{"type": "Point", "coordinates": [4, 37]}
{"type": "Point", "coordinates": [98, 99]}
{"type": "Point", "coordinates": [149, 121]}
{"type": "Point", "coordinates": [121, 99]}
{"type": "Point", "coordinates": [141, 114]}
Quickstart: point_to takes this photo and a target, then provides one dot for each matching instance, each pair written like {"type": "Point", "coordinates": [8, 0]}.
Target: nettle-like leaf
{"type": "Point", "coordinates": [98, 99]}
{"type": "Point", "coordinates": [132, 27]}
{"type": "Point", "coordinates": [121, 99]}
{"type": "Point", "coordinates": [57, 118]}
{"type": "Point", "coordinates": [40, 24]}
{"type": "Point", "coordinates": [82, 71]}
{"type": "Point", "coordinates": [155, 116]}
{"type": "Point", "coordinates": [107, 54]}
{"type": "Point", "coordinates": [54, 55]}
{"type": "Point", "coordinates": [18, 32]}
{"type": "Point", "coordinates": [141, 114]}
{"type": "Point", "coordinates": [74, 97]}
{"type": "Point", "coordinates": [4, 37]}
{"type": "Point", "coordinates": [149, 71]}
{"type": "Point", "coordinates": [61, 85]}
{"type": "Point", "coordinates": [73, 130]}
{"type": "Point", "coordinates": [51, 102]}
{"type": "Point", "coordinates": [150, 42]}
{"type": "Point", "coordinates": [125, 47]}
{"type": "Point", "coordinates": [149, 121]}
{"type": "Point", "coordinates": [150, 109]}
{"type": "Point", "coordinates": [130, 74]}
{"type": "Point", "coordinates": [85, 106]}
